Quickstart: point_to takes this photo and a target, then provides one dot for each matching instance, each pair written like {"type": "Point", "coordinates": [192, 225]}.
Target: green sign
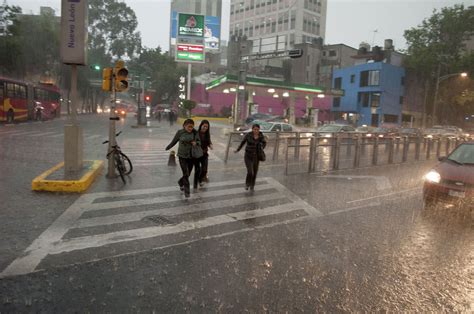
{"type": "Point", "coordinates": [187, 56]}
{"type": "Point", "coordinates": [191, 25]}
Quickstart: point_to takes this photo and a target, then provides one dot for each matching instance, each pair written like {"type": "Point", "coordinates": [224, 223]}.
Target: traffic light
{"type": "Point", "coordinates": [121, 76]}
{"type": "Point", "coordinates": [147, 98]}
{"type": "Point", "coordinates": [107, 74]}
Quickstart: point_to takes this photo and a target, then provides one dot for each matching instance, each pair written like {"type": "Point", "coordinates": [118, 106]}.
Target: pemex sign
{"type": "Point", "coordinates": [190, 25]}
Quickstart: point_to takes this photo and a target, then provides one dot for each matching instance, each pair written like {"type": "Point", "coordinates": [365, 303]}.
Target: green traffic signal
{"type": "Point", "coordinates": [97, 67]}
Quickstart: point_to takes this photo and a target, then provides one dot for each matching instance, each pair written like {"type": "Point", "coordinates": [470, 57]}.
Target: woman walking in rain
{"type": "Point", "coordinates": [206, 143]}
{"type": "Point", "coordinates": [255, 141]}
{"type": "Point", "coordinates": [187, 138]}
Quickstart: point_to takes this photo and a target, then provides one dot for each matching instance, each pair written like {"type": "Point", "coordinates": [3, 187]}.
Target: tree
{"type": "Point", "coordinates": [26, 36]}
{"type": "Point", "coordinates": [437, 47]}
{"type": "Point", "coordinates": [112, 29]}
{"type": "Point", "coordinates": [187, 106]}
{"type": "Point", "coordinates": [162, 70]}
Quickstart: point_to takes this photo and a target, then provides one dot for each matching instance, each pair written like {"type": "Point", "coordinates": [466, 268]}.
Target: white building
{"type": "Point", "coordinates": [286, 22]}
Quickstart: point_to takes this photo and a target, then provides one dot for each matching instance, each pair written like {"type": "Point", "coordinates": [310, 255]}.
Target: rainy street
{"type": "Point", "coordinates": [339, 241]}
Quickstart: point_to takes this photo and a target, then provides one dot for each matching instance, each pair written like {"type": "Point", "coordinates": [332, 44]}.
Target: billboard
{"type": "Point", "coordinates": [212, 30]}
{"type": "Point", "coordinates": [191, 25]}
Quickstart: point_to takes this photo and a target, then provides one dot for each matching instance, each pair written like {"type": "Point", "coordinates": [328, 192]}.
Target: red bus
{"type": "Point", "coordinates": [21, 101]}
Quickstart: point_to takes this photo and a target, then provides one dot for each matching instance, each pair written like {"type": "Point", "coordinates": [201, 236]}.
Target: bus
{"type": "Point", "coordinates": [22, 101]}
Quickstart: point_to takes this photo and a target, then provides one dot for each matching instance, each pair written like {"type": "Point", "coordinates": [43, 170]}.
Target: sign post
{"type": "Point", "coordinates": [189, 45]}
{"type": "Point", "coordinates": [73, 52]}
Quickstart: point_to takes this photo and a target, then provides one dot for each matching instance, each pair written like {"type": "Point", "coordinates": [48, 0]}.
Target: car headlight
{"type": "Point", "coordinates": [327, 135]}
{"type": "Point", "coordinates": [429, 136]}
{"type": "Point", "coordinates": [368, 135]}
{"type": "Point", "coordinates": [433, 177]}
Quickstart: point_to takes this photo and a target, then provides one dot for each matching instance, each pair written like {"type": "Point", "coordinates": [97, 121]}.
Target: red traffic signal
{"type": "Point", "coordinates": [147, 98]}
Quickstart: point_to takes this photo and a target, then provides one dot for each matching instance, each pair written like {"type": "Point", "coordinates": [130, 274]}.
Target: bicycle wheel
{"type": "Point", "coordinates": [119, 166]}
{"type": "Point", "coordinates": [127, 164]}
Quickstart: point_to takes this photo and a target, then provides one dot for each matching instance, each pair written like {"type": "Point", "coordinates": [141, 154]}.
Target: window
{"type": "Point", "coordinates": [276, 128]}
{"type": "Point", "coordinates": [363, 99]}
{"type": "Point", "coordinates": [287, 128]}
{"type": "Point", "coordinates": [332, 53]}
{"type": "Point", "coordinates": [2, 85]}
{"type": "Point", "coordinates": [375, 100]}
{"type": "Point", "coordinates": [336, 102]}
{"type": "Point", "coordinates": [338, 82]}
{"type": "Point", "coordinates": [390, 118]}
{"type": "Point", "coordinates": [353, 77]}
{"type": "Point", "coordinates": [402, 81]}
{"type": "Point", "coordinates": [369, 78]}
{"type": "Point", "coordinates": [401, 100]}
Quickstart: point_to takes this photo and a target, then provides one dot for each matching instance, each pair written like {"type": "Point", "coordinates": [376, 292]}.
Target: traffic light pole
{"type": "Point", "coordinates": [112, 141]}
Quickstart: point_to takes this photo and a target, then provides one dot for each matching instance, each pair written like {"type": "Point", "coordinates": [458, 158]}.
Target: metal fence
{"type": "Point", "coordinates": [310, 152]}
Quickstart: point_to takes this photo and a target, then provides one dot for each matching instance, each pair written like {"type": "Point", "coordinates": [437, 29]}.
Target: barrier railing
{"type": "Point", "coordinates": [347, 150]}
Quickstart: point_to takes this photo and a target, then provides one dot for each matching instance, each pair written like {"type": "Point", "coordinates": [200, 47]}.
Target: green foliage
{"type": "Point", "coordinates": [162, 71]}
{"type": "Point", "coordinates": [440, 38]}
{"type": "Point", "coordinates": [112, 29]}
{"type": "Point", "coordinates": [31, 45]}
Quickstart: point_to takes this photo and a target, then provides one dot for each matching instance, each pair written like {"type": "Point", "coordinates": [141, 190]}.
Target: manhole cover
{"type": "Point", "coordinates": [160, 220]}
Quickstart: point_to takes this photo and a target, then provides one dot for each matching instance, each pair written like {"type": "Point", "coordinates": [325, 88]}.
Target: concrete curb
{"type": "Point", "coordinates": [41, 183]}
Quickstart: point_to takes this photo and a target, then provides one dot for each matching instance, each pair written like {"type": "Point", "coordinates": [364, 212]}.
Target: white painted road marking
{"type": "Point", "coordinates": [52, 240]}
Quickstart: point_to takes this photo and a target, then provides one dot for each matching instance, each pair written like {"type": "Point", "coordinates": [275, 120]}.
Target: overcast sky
{"type": "Point", "coordinates": [348, 21]}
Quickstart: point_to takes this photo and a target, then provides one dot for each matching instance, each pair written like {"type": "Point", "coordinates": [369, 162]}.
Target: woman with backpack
{"type": "Point", "coordinates": [187, 138]}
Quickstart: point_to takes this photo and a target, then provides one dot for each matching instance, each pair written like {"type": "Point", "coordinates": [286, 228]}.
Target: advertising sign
{"type": "Point", "coordinates": [190, 53]}
{"type": "Point", "coordinates": [74, 31]}
{"type": "Point", "coordinates": [212, 31]}
{"type": "Point", "coordinates": [190, 25]}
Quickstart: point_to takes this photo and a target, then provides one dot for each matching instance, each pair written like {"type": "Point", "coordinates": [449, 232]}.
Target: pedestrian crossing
{"type": "Point", "coordinates": [122, 222]}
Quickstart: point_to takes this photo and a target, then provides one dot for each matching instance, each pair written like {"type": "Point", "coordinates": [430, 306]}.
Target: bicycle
{"type": "Point", "coordinates": [122, 162]}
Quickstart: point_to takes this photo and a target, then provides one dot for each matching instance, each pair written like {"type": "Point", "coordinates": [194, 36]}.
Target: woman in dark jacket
{"type": "Point", "coordinates": [206, 143]}
{"type": "Point", "coordinates": [253, 139]}
{"type": "Point", "coordinates": [187, 137]}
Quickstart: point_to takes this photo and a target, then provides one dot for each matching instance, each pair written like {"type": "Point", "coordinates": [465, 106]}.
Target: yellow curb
{"type": "Point", "coordinates": [40, 183]}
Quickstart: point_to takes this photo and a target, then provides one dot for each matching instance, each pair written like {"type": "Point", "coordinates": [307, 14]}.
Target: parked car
{"type": "Point", "coordinates": [266, 126]}
{"type": "Point", "coordinates": [452, 180]}
{"type": "Point", "coordinates": [258, 116]}
{"type": "Point", "coordinates": [411, 132]}
{"type": "Point", "coordinates": [330, 130]}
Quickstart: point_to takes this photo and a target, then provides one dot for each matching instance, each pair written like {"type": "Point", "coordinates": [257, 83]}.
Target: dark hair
{"type": "Point", "coordinates": [207, 135]}
{"type": "Point", "coordinates": [256, 126]}
{"type": "Point", "coordinates": [188, 121]}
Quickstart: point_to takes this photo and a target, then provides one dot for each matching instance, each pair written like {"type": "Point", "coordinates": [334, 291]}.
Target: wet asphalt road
{"type": "Point", "coordinates": [354, 240]}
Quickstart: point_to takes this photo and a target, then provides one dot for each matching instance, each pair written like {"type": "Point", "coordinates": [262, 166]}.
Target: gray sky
{"type": "Point", "coordinates": [348, 21]}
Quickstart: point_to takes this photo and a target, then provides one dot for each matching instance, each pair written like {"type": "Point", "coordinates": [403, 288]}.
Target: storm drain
{"type": "Point", "coordinates": [161, 220]}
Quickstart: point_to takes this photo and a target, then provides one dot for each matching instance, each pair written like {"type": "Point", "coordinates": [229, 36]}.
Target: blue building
{"type": "Point", "coordinates": [373, 94]}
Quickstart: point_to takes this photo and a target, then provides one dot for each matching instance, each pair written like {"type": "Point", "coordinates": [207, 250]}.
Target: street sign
{"type": "Point", "coordinates": [190, 53]}
{"type": "Point", "coordinates": [294, 53]}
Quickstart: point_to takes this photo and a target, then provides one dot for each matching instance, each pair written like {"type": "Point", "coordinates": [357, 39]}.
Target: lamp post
{"type": "Point", "coordinates": [439, 80]}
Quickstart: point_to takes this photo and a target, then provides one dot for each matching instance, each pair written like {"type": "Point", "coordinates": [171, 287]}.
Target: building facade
{"type": "Point", "coordinates": [373, 94]}
{"type": "Point", "coordinates": [334, 57]}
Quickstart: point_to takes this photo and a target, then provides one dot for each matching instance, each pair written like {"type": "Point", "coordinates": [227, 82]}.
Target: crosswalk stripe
{"type": "Point", "coordinates": [23, 133]}
{"type": "Point", "coordinates": [52, 241]}
{"type": "Point", "coordinates": [172, 211]}
{"type": "Point", "coordinates": [150, 232]}
{"type": "Point", "coordinates": [165, 199]}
